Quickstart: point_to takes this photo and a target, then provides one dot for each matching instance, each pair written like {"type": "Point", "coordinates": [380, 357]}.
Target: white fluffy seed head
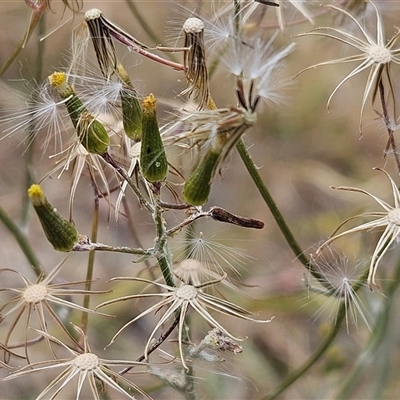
{"type": "Point", "coordinates": [86, 362]}
{"type": "Point", "coordinates": [186, 292]}
{"type": "Point", "coordinates": [93, 13]}
{"type": "Point", "coordinates": [379, 54]}
{"type": "Point", "coordinates": [193, 25]}
{"type": "Point", "coordinates": [394, 217]}
{"type": "Point", "coordinates": [35, 294]}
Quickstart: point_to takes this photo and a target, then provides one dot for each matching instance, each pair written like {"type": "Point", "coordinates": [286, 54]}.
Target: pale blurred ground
{"type": "Point", "coordinates": [301, 150]}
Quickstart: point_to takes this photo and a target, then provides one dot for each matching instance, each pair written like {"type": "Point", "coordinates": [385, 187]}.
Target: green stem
{"type": "Point", "coordinates": [21, 240]}
{"type": "Point", "coordinates": [190, 387]}
{"type": "Point", "coordinates": [35, 18]}
{"type": "Point", "coordinates": [252, 169]}
{"type": "Point", "coordinates": [90, 267]}
{"type": "Point", "coordinates": [303, 259]}
{"type": "Point", "coordinates": [163, 253]}
{"type": "Point", "coordinates": [314, 358]}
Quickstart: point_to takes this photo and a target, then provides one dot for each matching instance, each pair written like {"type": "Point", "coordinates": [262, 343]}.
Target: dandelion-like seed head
{"type": "Point", "coordinates": [341, 279]}
{"type": "Point", "coordinates": [196, 272]}
{"type": "Point", "coordinates": [379, 54]}
{"type": "Point", "coordinates": [389, 219]}
{"type": "Point", "coordinates": [86, 362]}
{"type": "Point", "coordinates": [208, 256]}
{"type": "Point", "coordinates": [42, 114]}
{"type": "Point", "coordinates": [186, 292]}
{"type": "Point", "coordinates": [260, 67]}
{"type": "Point", "coordinates": [35, 294]}
{"type": "Point", "coordinates": [85, 366]}
{"type": "Point", "coordinates": [218, 33]}
{"type": "Point", "coordinates": [374, 53]}
{"type": "Point", "coordinates": [41, 297]}
{"type": "Point", "coordinates": [179, 300]}
{"type": "Point", "coordinates": [394, 217]}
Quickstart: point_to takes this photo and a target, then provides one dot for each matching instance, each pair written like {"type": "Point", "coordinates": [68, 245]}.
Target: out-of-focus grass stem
{"type": "Point", "coordinates": [146, 27]}
{"type": "Point", "coordinates": [29, 179]}
{"type": "Point", "coordinates": [21, 240]}
{"type": "Point", "coordinates": [378, 348]}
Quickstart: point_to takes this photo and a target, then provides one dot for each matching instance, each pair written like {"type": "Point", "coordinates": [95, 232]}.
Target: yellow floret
{"type": "Point", "coordinates": [36, 194]}
{"type": "Point", "coordinates": [149, 103]}
{"type": "Point", "coordinates": [57, 78]}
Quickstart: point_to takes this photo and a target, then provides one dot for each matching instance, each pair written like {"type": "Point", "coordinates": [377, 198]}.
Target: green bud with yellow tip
{"type": "Point", "coordinates": [153, 160]}
{"type": "Point", "coordinates": [74, 105]}
{"type": "Point", "coordinates": [198, 186]}
{"type": "Point", "coordinates": [131, 107]}
{"type": "Point", "coordinates": [91, 132]}
{"type": "Point", "coordinates": [61, 233]}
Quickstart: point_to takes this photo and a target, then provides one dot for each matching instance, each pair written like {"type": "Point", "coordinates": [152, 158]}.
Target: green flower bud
{"type": "Point", "coordinates": [92, 134]}
{"type": "Point", "coordinates": [153, 161]}
{"type": "Point", "coordinates": [131, 107]}
{"type": "Point", "coordinates": [198, 185]}
{"type": "Point", "coordinates": [74, 105]}
{"type": "Point", "coordinates": [59, 232]}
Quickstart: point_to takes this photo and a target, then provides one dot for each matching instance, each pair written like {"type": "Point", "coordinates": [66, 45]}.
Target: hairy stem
{"type": "Point", "coordinates": [92, 253]}
{"type": "Point", "coordinates": [114, 249]}
{"type": "Point", "coordinates": [163, 253]}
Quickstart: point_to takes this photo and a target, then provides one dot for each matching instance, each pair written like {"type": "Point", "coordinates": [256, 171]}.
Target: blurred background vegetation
{"type": "Point", "coordinates": [301, 150]}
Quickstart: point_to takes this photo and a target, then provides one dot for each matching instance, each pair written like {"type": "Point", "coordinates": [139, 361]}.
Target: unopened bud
{"type": "Point", "coordinates": [74, 105]}
{"type": "Point", "coordinates": [131, 107]}
{"type": "Point", "coordinates": [92, 134]}
{"type": "Point", "coordinates": [61, 233]}
{"type": "Point", "coordinates": [153, 160]}
{"type": "Point", "coordinates": [198, 185]}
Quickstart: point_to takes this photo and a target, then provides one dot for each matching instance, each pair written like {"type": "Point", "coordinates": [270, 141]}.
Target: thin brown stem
{"type": "Point", "coordinates": [386, 117]}
{"type": "Point", "coordinates": [163, 337]}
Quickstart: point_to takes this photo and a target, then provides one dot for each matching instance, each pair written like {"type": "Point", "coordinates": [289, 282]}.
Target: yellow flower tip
{"type": "Point", "coordinates": [149, 103]}
{"type": "Point", "coordinates": [36, 194]}
{"type": "Point", "coordinates": [57, 79]}
{"type": "Point", "coordinates": [61, 233]}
